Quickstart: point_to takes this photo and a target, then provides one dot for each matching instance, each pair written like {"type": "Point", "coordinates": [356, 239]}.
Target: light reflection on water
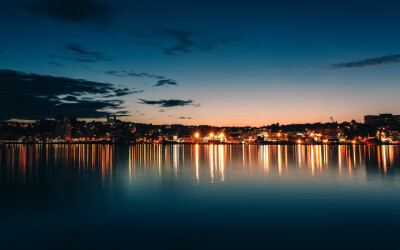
{"type": "Point", "coordinates": [199, 196]}
{"type": "Point", "coordinates": [206, 163]}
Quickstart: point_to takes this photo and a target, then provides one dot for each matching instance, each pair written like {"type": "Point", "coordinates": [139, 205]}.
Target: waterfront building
{"type": "Point", "coordinates": [111, 119]}
{"type": "Point", "coordinates": [63, 128]}
{"type": "Point", "coordinates": [382, 120]}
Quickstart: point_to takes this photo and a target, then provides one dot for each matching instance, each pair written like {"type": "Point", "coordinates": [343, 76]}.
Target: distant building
{"type": "Point", "coordinates": [382, 120]}
{"type": "Point", "coordinates": [111, 119]}
{"type": "Point", "coordinates": [63, 128]}
{"type": "Point", "coordinates": [371, 119]}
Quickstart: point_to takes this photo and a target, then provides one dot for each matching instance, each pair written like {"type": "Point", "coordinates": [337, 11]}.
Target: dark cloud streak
{"type": "Point", "coordinates": [125, 73]}
{"type": "Point", "coordinates": [389, 59]}
{"type": "Point", "coordinates": [162, 80]}
{"type": "Point", "coordinates": [181, 41]}
{"type": "Point", "coordinates": [55, 63]}
{"type": "Point", "coordinates": [82, 54]}
{"type": "Point", "coordinates": [167, 103]}
{"type": "Point", "coordinates": [33, 96]}
{"type": "Point", "coordinates": [165, 82]}
{"type": "Point", "coordinates": [77, 11]}
{"type": "Point", "coordinates": [78, 53]}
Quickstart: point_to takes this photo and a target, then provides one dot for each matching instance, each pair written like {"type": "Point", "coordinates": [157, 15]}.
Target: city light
{"type": "Point", "coordinates": [67, 130]}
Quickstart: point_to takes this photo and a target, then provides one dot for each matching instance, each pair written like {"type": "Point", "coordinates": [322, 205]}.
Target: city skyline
{"type": "Point", "coordinates": [258, 63]}
{"type": "Point", "coordinates": [382, 129]}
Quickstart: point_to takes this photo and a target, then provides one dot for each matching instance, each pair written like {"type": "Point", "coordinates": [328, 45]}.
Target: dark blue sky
{"type": "Point", "coordinates": [200, 62]}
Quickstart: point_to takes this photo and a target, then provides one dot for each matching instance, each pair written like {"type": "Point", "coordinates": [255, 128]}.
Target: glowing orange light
{"type": "Point", "coordinates": [196, 135]}
{"type": "Point", "coordinates": [279, 134]}
{"type": "Point", "coordinates": [211, 134]}
{"type": "Point", "coordinates": [221, 135]}
{"type": "Point", "coordinates": [299, 141]}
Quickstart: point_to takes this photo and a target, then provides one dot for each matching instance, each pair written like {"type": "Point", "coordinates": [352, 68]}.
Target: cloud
{"type": "Point", "coordinates": [177, 42]}
{"type": "Point", "coordinates": [33, 96]}
{"type": "Point", "coordinates": [389, 59]}
{"type": "Point", "coordinates": [184, 118]}
{"type": "Point", "coordinates": [114, 73]}
{"type": "Point", "coordinates": [70, 98]}
{"type": "Point", "coordinates": [136, 91]}
{"type": "Point", "coordinates": [162, 80]}
{"type": "Point", "coordinates": [369, 62]}
{"type": "Point", "coordinates": [55, 63]}
{"type": "Point", "coordinates": [124, 73]}
{"type": "Point", "coordinates": [165, 82]}
{"type": "Point", "coordinates": [123, 92]}
{"type": "Point", "coordinates": [77, 11]}
{"type": "Point", "coordinates": [167, 103]}
{"type": "Point", "coordinates": [293, 69]}
{"type": "Point", "coordinates": [78, 53]}
{"type": "Point", "coordinates": [60, 57]}
{"type": "Point", "coordinates": [82, 54]}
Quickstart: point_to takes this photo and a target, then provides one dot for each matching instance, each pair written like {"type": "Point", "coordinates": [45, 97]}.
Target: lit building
{"type": "Point", "coordinates": [371, 119]}
{"type": "Point", "coordinates": [382, 120]}
{"type": "Point", "coordinates": [63, 128]}
{"type": "Point", "coordinates": [111, 119]}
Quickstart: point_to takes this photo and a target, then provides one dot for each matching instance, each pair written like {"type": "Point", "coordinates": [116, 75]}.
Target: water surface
{"type": "Point", "coordinates": [199, 196]}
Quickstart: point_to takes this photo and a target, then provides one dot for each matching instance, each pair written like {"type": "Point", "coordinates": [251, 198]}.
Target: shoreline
{"type": "Point", "coordinates": [193, 143]}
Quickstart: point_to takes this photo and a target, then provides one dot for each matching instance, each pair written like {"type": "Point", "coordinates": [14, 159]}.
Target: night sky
{"type": "Point", "coordinates": [200, 62]}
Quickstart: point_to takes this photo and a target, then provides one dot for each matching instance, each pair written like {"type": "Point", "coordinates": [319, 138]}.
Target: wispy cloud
{"type": "Point", "coordinates": [165, 82]}
{"type": "Point", "coordinates": [184, 118]}
{"type": "Point", "coordinates": [294, 69]}
{"type": "Point", "coordinates": [161, 80]}
{"type": "Point", "coordinates": [77, 11]}
{"type": "Point", "coordinates": [167, 103]}
{"type": "Point", "coordinates": [59, 57]}
{"type": "Point", "coordinates": [389, 59]}
{"type": "Point", "coordinates": [82, 54]}
{"type": "Point", "coordinates": [177, 42]}
{"type": "Point", "coordinates": [55, 63]}
{"type": "Point", "coordinates": [369, 62]}
{"type": "Point", "coordinates": [124, 73]}
{"type": "Point", "coordinates": [79, 53]}
{"type": "Point", "coordinates": [47, 96]}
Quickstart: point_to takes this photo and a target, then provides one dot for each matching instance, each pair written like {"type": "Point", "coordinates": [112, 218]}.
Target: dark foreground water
{"type": "Point", "coordinates": [199, 197]}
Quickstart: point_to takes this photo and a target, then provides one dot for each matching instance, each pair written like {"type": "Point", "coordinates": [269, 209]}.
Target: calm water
{"type": "Point", "coordinates": [199, 197]}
